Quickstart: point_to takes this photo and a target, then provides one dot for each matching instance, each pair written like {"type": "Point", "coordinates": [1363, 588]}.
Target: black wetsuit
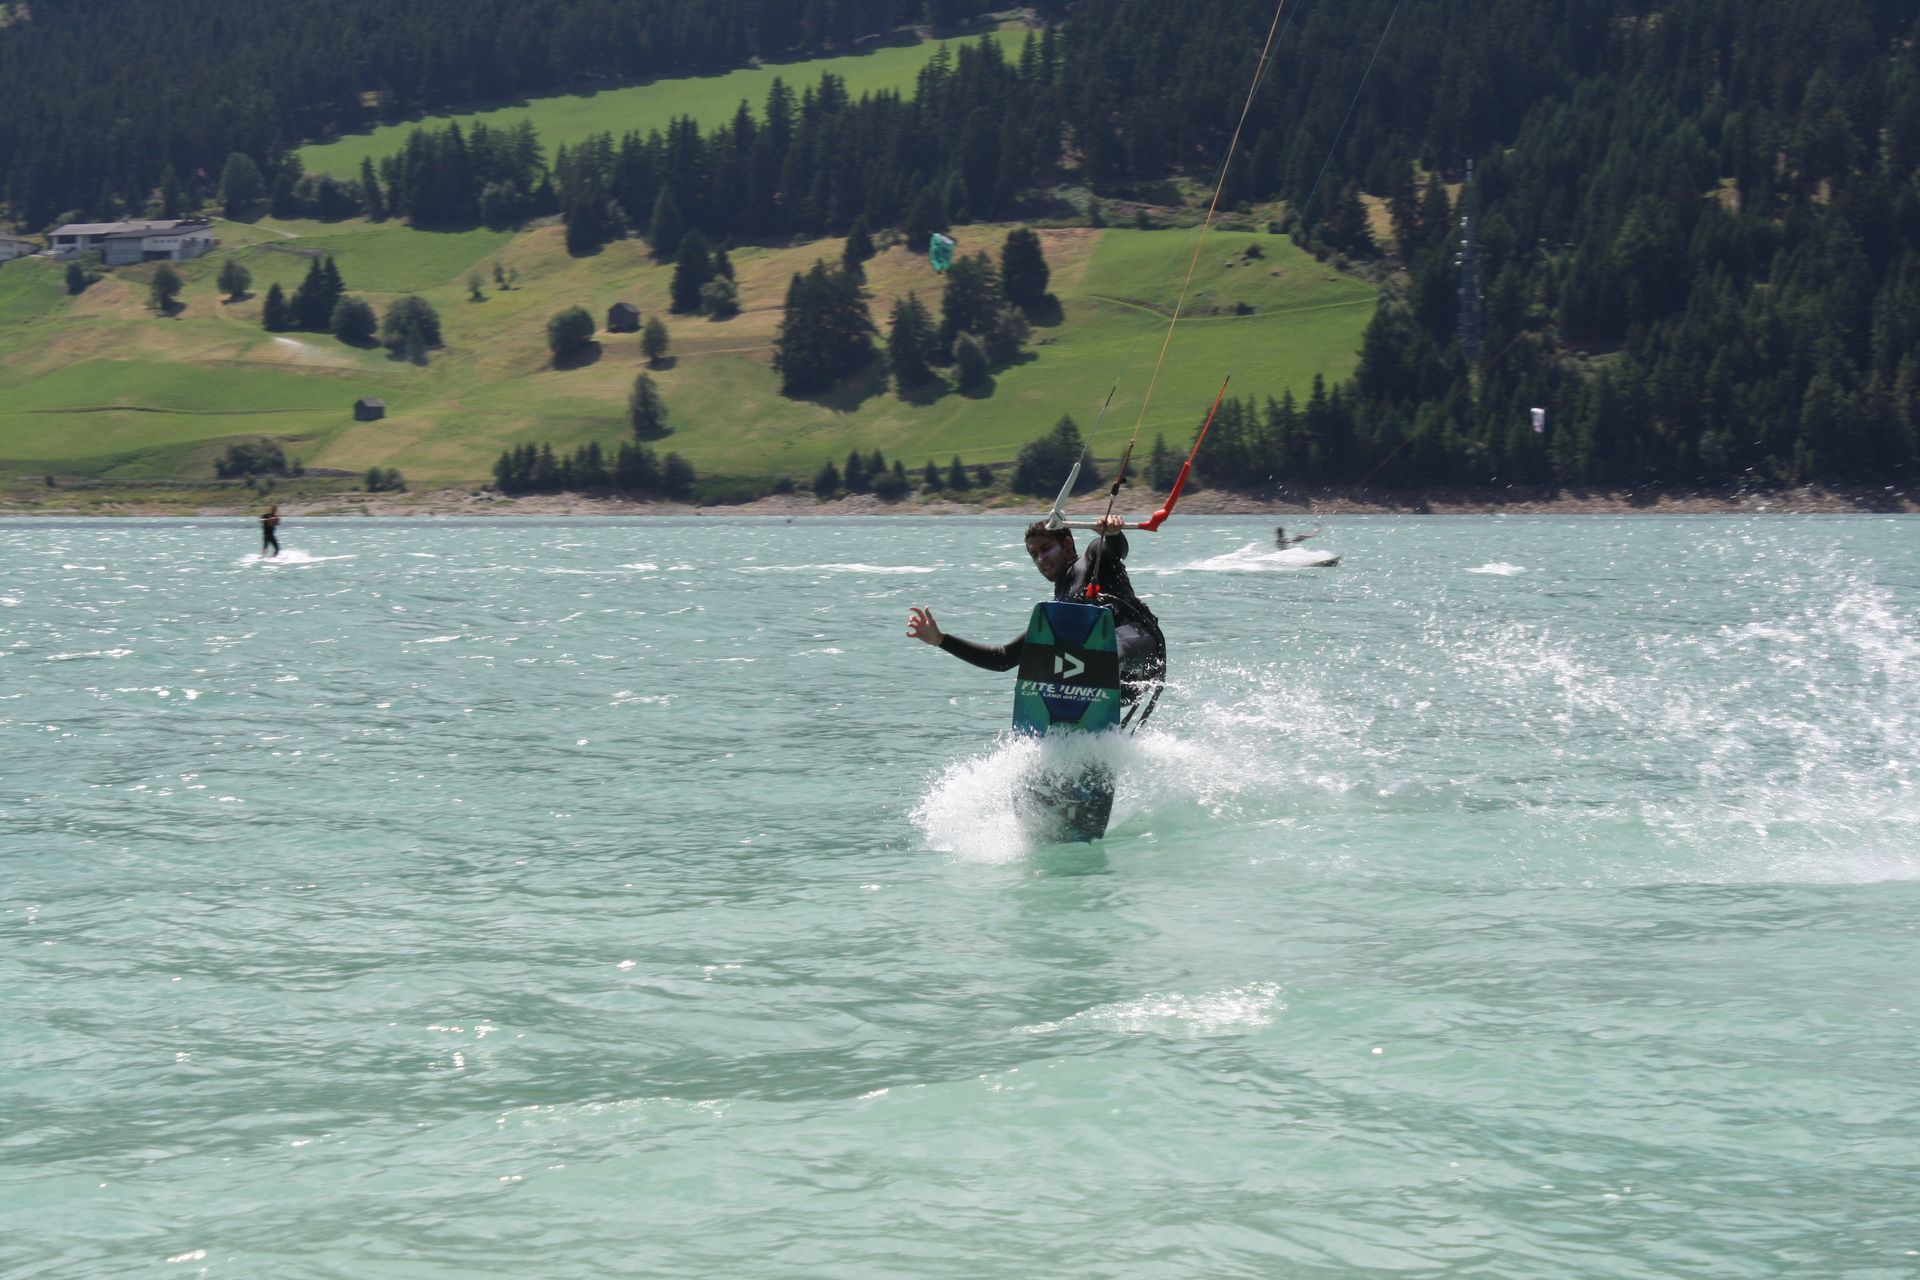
{"type": "Point", "coordinates": [267, 538]}
{"type": "Point", "coordinates": [1143, 650]}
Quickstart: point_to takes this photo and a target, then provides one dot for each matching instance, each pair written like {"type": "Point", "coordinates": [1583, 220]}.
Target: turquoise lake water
{"type": "Point", "coordinates": [1523, 897]}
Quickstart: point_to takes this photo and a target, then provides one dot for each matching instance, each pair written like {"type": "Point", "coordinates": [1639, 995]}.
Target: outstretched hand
{"type": "Point", "coordinates": [922, 627]}
{"type": "Point", "coordinates": [1106, 526]}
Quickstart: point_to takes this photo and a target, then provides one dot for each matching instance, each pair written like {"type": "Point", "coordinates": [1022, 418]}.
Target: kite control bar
{"type": "Point", "coordinates": [1057, 516]}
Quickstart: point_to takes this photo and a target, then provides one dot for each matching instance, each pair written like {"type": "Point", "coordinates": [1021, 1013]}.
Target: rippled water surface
{"type": "Point", "coordinates": [1522, 897]}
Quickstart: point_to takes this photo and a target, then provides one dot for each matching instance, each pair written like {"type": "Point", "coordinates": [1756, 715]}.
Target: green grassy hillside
{"type": "Point", "coordinates": [711, 100]}
{"type": "Point", "coordinates": [100, 387]}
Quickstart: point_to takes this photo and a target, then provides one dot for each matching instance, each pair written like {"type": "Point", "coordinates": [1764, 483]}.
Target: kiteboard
{"type": "Point", "coordinates": [1069, 684]}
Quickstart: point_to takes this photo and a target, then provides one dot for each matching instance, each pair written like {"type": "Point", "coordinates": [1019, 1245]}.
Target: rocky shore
{"type": "Point", "coordinates": [1511, 501]}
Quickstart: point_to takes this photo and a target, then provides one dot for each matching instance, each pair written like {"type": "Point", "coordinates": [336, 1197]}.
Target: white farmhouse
{"type": "Point", "coordinates": [121, 243]}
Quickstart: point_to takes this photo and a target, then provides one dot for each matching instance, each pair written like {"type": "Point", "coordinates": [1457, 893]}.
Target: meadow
{"type": "Point", "coordinates": [100, 393]}
{"type": "Point", "coordinates": [711, 100]}
{"type": "Point", "coordinates": [100, 387]}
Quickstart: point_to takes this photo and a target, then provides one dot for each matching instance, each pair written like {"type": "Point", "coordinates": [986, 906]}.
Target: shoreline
{"type": "Point", "coordinates": [454, 503]}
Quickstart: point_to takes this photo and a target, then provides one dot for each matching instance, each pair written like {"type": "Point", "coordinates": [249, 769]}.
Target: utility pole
{"type": "Point", "coordinates": [1468, 260]}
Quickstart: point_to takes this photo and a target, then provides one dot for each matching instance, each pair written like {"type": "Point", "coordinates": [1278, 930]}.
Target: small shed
{"type": "Point", "coordinates": [367, 410]}
{"type": "Point", "coordinates": [623, 317]}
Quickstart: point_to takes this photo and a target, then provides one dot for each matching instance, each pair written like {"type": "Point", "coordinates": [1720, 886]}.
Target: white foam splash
{"type": "Point", "coordinates": [1205, 761]}
{"type": "Point", "coordinates": [855, 567]}
{"type": "Point", "coordinates": [1253, 558]}
{"type": "Point", "coordinates": [289, 556]}
{"type": "Point", "coordinates": [1500, 569]}
{"type": "Point", "coordinates": [1236, 1009]}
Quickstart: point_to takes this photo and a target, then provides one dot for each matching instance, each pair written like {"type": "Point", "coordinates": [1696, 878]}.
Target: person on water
{"type": "Point", "coordinates": [268, 523]}
{"type": "Point", "coordinates": [1281, 540]}
{"type": "Point", "coordinates": [1097, 576]}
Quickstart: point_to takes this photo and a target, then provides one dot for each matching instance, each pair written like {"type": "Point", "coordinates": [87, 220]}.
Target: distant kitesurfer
{"type": "Point", "coordinates": [1099, 576]}
{"type": "Point", "coordinates": [268, 523]}
{"type": "Point", "coordinates": [1281, 540]}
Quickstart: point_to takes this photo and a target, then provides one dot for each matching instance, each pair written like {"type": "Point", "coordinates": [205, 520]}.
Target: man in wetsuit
{"type": "Point", "coordinates": [268, 523]}
{"type": "Point", "coordinates": [1099, 576]}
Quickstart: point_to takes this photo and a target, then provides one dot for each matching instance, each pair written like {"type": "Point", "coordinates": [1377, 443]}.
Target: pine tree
{"type": "Point", "coordinates": [720, 298]}
{"type": "Point", "coordinates": [826, 333]}
{"type": "Point", "coordinates": [665, 228]}
{"type": "Point", "coordinates": [926, 215]}
{"type": "Point", "coordinates": [234, 279]}
{"type": "Point", "coordinates": [410, 328]}
{"type": "Point", "coordinates": [333, 287]}
{"type": "Point", "coordinates": [1023, 268]}
{"type": "Point", "coordinates": [314, 300]}
{"type": "Point", "coordinates": [970, 361]}
{"type": "Point", "coordinates": [636, 470]}
{"type": "Point", "coordinates": [1347, 227]}
{"type": "Point", "coordinates": [854, 474]}
{"type": "Point", "coordinates": [275, 315]}
{"type": "Point", "coordinates": [240, 183]}
{"type": "Point", "coordinates": [826, 481]}
{"type": "Point", "coordinates": [164, 288]}
{"type": "Point", "coordinates": [587, 225]}
{"type": "Point", "coordinates": [170, 193]}
{"type": "Point", "coordinates": [1162, 470]}
{"type": "Point", "coordinates": [910, 344]}
{"type": "Point", "coordinates": [1044, 463]}
{"type": "Point", "coordinates": [957, 476]}
{"type": "Point", "coordinates": [973, 300]}
{"type": "Point", "coordinates": [353, 322]}
{"type": "Point", "coordinates": [569, 333]}
{"type": "Point", "coordinates": [653, 340]}
{"type": "Point", "coordinates": [691, 271]}
{"type": "Point", "coordinates": [646, 411]}
{"type": "Point", "coordinates": [284, 199]}
{"type": "Point", "coordinates": [305, 303]}
{"type": "Point", "coordinates": [859, 249]}
{"type": "Point", "coordinates": [370, 196]}
{"type": "Point", "coordinates": [891, 485]}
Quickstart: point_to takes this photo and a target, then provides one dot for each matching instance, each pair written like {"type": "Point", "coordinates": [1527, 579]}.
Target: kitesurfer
{"type": "Point", "coordinates": [1281, 540]}
{"type": "Point", "coordinates": [268, 523]}
{"type": "Point", "coordinates": [1096, 576]}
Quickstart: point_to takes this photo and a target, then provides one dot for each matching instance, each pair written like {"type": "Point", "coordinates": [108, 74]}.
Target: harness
{"type": "Point", "coordinates": [1129, 612]}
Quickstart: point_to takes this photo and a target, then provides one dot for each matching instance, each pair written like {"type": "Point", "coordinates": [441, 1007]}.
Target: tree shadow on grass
{"type": "Point", "coordinates": [928, 392]}
{"type": "Point", "coordinates": [1047, 313]}
{"type": "Point", "coordinates": [662, 364]}
{"type": "Point", "coordinates": [579, 358]}
{"type": "Point", "coordinates": [847, 395]}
